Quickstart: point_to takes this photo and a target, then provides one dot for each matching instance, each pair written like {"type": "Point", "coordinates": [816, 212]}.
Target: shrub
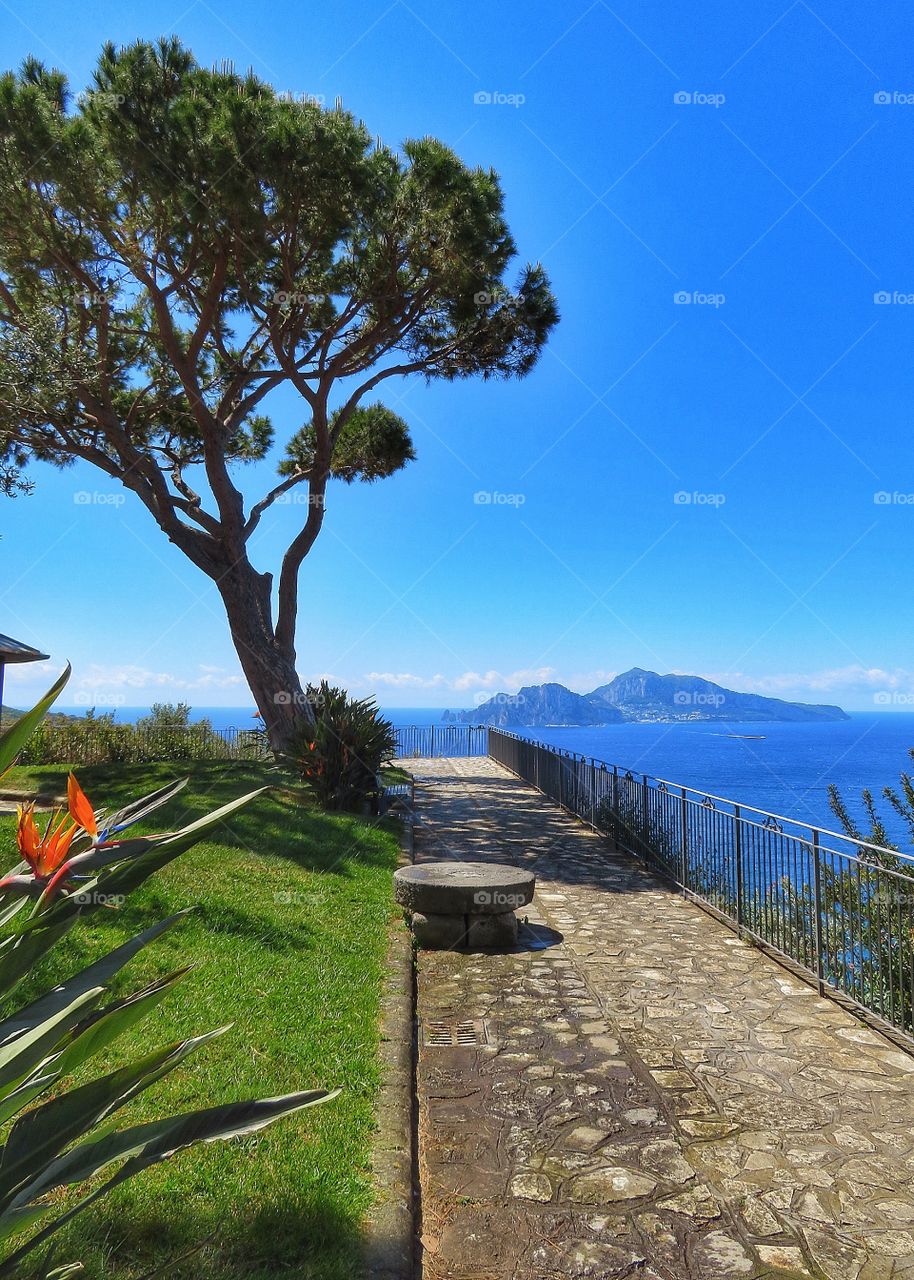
{"type": "Point", "coordinates": [165, 734]}
{"type": "Point", "coordinates": [168, 734]}
{"type": "Point", "coordinates": [340, 756]}
{"type": "Point", "coordinates": [868, 906]}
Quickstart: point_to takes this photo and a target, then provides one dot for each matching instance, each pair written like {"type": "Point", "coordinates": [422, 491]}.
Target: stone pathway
{"type": "Point", "coordinates": [649, 1096]}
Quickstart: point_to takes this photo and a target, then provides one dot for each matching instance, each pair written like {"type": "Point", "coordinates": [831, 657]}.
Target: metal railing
{"type": "Point", "coordinates": [85, 743]}
{"type": "Point", "coordinates": [839, 911]}
{"type": "Point", "coordinates": [442, 740]}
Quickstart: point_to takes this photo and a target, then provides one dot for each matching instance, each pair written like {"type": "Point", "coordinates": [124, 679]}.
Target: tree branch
{"type": "Point", "coordinates": [267, 501]}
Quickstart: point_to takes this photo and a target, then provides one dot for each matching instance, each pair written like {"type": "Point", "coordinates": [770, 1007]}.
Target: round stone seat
{"type": "Point", "coordinates": [463, 888]}
{"type": "Point", "coordinates": [464, 905]}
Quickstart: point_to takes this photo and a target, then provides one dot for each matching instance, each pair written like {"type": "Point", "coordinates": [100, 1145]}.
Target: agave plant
{"type": "Point", "coordinates": [60, 1135]}
{"type": "Point", "coordinates": [339, 757]}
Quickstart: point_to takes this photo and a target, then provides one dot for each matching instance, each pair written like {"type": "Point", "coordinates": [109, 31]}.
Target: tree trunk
{"type": "Point", "coordinates": [268, 667]}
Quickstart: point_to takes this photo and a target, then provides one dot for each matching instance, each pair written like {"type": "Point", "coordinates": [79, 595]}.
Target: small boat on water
{"type": "Point", "coordinates": [750, 737]}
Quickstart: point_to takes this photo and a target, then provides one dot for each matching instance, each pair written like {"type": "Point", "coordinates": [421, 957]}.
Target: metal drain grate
{"type": "Point", "coordinates": [465, 1034]}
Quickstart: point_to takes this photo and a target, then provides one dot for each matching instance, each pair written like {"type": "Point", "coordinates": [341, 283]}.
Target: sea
{"type": "Point", "coordinates": [783, 769]}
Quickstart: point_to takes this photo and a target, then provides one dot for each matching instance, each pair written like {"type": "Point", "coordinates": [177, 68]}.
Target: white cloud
{"type": "Point", "coordinates": [32, 673]}
{"type": "Point", "coordinates": [118, 679]}
{"type": "Point", "coordinates": [849, 679]}
{"type": "Point", "coordinates": [404, 680]}
{"type": "Point", "coordinates": [469, 680]}
{"type": "Point", "coordinates": [134, 677]}
{"type": "Point", "coordinates": [128, 684]}
{"type": "Point", "coordinates": [497, 680]}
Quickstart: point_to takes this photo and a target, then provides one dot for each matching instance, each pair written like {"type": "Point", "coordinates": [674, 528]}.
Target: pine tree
{"type": "Point", "coordinates": [178, 244]}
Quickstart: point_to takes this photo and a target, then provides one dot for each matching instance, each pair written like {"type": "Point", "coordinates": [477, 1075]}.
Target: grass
{"type": "Point", "coordinates": [289, 944]}
{"type": "Point", "coordinates": [48, 782]}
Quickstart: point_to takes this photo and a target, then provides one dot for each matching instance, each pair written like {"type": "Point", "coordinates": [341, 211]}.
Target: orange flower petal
{"type": "Point", "coordinates": [27, 838]}
{"type": "Point", "coordinates": [55, 847]}
{"type": "Point", "coordinates": [81, 810]}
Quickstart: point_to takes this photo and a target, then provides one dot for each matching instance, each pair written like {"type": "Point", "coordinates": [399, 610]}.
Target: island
{"type": "Point", "coordinates": [638, 696]}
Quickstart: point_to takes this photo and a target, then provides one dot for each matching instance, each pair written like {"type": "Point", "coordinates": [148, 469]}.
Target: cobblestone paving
{"type": "Point", "coordinates": [650, 1096]}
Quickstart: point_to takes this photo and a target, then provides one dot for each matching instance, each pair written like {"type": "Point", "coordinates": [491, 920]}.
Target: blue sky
{"type": "Point", "coordinates": [710, 470]}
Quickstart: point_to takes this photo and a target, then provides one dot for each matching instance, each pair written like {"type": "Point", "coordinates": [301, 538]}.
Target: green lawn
{"type": "Point", "coordinates": [289, 943]}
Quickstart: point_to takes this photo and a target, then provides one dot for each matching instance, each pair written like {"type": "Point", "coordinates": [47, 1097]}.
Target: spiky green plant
{"type": "Point", "coordinates": [60, 1135]}
{"type": "Point", "coordinates": [340, 757]}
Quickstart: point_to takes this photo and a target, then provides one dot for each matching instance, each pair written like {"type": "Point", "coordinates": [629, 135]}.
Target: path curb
{"type": "Point", "coordinates": [389, 1230]}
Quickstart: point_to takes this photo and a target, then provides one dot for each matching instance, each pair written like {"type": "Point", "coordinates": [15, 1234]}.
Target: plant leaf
{"type": "Point", "coordinates": [17, 735]}
{"type": "Point", "coordinates": [138, 809]}
{"type": "Point", "coordinates": [20, 953]}
{"type": "Point", "coordinates": [150, 1143]}
{"type": "Point", "coordinates": [64, 1272]}
{"type": "Point", "coordinates": [147, 855]}
{"type": "Point", "coordinates": [21, 1055]}
{"type": "Point", "coordinates": [93, 1034]}
{"type": "Point", "coordinates": [144, 1145]}
{"type": "Point", "coordinates": [98, 974]}
{"type": "Point", "coordinates": [26, 1093]}
{"type": "Point", "coordinates": [40, 1135]}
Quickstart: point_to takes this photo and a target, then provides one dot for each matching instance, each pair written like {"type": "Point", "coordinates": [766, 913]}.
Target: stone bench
{"type": "Point", "coordinates": [467, 905]}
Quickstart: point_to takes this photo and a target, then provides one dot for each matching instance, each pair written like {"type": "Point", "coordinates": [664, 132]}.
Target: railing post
{"type": "Point", "coordinates": [683, 838]}
{"type": "Point", "coordinates": [738, 855]}
{"type": "Point", "coordinates": [817, 908]}
{"type": "Point", "coordinates": [645, 817]}
{"type": "Point", "coordinates": [615, 803]}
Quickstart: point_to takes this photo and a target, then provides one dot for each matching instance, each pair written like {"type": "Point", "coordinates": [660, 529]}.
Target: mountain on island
{"type": "Point", "coordinates": [638, 696]}
{"type": "Point", "coordinates": [537, 705]}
